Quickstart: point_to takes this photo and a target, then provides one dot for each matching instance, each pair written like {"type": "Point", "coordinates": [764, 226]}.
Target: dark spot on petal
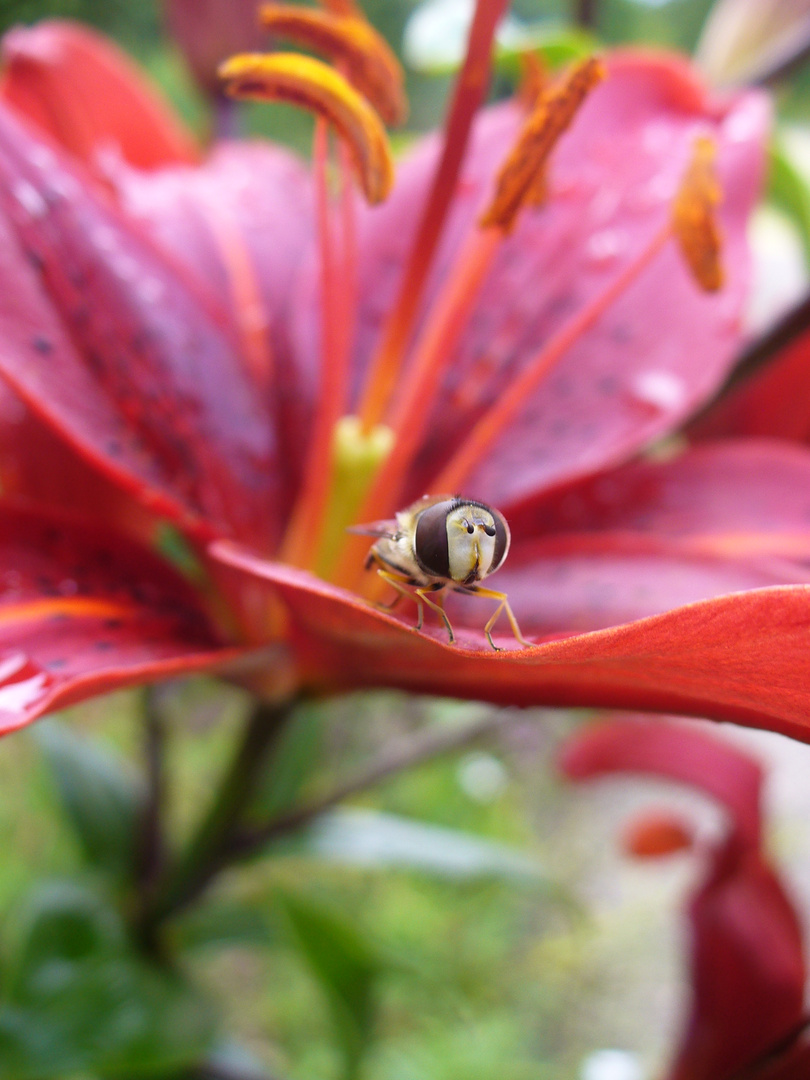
{"type": "Point", "coordinates": [43, 345]}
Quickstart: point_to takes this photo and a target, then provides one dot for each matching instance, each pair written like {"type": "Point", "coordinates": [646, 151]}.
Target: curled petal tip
{"type": "Point", "coordinates": [313, 85]}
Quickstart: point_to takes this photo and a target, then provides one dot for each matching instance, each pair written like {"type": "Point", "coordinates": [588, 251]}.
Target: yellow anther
{"type": "Point", "coordinates": [534, 79]}
{"type": "Point", "coordinates": [348, 40]}
{"type": "Point", "coordinates": [311, 84]}
{"type": "Point", "coordinates": [520, 178]}
{"type": "Point", "coordinates": [694, 217]}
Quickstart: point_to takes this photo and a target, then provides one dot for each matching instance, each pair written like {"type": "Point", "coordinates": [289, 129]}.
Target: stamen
{"type": "Point", "coordinates": [694, 220]}
{"type": "Point", "coordinates": [301, 538]}
{"type": "Point", "coordinates": [518, 179]}
{"type": "Point", "coordinates": [353, 45]}
{"type": "Point", "coordinates": [470, 89]}
{"type": "Point", "coordinates": [313, 85]}
{"type": "Point", "coordinates": [433, 352]}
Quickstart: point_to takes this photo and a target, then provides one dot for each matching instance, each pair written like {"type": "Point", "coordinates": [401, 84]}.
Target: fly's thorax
{"type": "Point", "coordinates": [460, 540]}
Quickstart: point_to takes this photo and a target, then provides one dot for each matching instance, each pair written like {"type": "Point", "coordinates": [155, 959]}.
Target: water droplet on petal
{"type": "Point", "coordinates": [30, 199]}
{"type": "Point", "coordinates": [605, 246]}
{"type": "Point", "coordinates": [742, 125]}
{"type": "Point", "coordinates": [661, 389]}
{"type": "Point", "coordinates": [23, 683]}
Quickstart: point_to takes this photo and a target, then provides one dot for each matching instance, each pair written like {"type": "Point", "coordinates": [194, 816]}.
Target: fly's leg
{"type": "Point", "coordinates": [437, 607]}
{"type": "Point", "coordinates": [478, 590]}
{"type": "Point", "coordinates": [400, 584]}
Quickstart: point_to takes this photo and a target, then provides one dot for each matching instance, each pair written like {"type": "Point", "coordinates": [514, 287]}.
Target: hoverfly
{"type": "Point", "coordinates": [442, 542]}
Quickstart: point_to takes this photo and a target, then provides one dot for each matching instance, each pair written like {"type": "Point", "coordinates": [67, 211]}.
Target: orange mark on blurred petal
{"type": "Point", "coordinates": [313, 85]}
{"type": "Point", "coordinates": [353, 45]}
{"type": "Point", "coordinates": [68, 607]}
{"type": "Point", "coordinates": [521, 174]}
{"type": "Point", "coordinates": [656, 834]}
{"type": "Point", "coordinates": [694, 217]}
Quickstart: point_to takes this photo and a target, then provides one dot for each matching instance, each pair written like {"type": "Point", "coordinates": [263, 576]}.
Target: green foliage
{"type": "Point", "coordinates": [80, 998]}
{"type": "Point", "coordinates": [789, 189]}
{"type": "Point", "coordinates": [345, 967]}
{"type": "Point", "coordinates": [295, 758]}
{"type": "Point", "coordinates": [99, 795]}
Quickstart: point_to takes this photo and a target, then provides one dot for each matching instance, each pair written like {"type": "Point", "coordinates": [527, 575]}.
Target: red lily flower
{"type": "Point", "coordinates": [747, 959]}
{"type": "Point", "coordinates": [224, 348]}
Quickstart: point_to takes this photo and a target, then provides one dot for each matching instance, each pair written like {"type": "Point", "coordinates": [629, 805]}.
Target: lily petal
{"type": "Point", "coordinates": [739, 657]}
{"type": "Point", "coordinates": [579, 581]}
{"type": "Point", "coordinates": [108, 343]}
{"type": "Point", "coordinates": [87, 95]}
{"type": "Point", "coordinates": [83, 611]}
{"type": "Point", "coordinates": [241, 221]}
{"type": "Point", "coordinates": [736, 498]}
{"type": "Point", "coordinates": [771, 401]}
{"type": "Point", "coordinates": [747, 955]}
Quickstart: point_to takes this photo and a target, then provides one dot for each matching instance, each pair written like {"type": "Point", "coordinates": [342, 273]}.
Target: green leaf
{"type": "Point", "coordinates": [293, 761]}
{"type": "Point", "coordinates": [220, 924]}
{"type": "Point", "coordinates": [63, 925]}
{"type": "Point", "coordinates": [374, 839]}
{"type": "Point", "coordinates": [346, 970]}
{"type": "Point", "coordinates": [100, 797]}
{"type": "Point", "coordinates": [80, 1000]}
{"type": "Point", "coordinates": [789, 189]}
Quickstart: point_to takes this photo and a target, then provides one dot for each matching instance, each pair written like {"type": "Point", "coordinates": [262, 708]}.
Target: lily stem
{"type": "Point", "coordinates": [585, 13]}
{"type": "Point", "coordinates": [404, 754]}
{"type": "Point", "coordinates": [151, 847]}
{"type": "Point", "coordinates": [210, 849]}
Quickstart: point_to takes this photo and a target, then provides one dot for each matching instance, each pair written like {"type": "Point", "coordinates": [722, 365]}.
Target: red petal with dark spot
{"type": "Point", "coordinates": [83, 612]}
{"type": "Point", "coordinates": [741, 657]}
{"type": "Point", "coordinates": [108, 343]}
{"type": "Point", "coordinates": [741, 497]}
{"type": "Point", "coordinates": [87, 95]}
{"type": "Point", "coordinates": [242, 221]}
{"type": "Point", "coordinates": [582, 581]}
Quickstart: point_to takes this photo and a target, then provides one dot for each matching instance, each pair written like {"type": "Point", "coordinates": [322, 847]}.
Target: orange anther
{"type": "Point", "coordinates": [352, 44]}
{"type": "Point", "coordinates": [694, 217]}
{"type": "Point", "coordinates": [311, 84]}
{"type": "Point", "coordinates": [520, 178]}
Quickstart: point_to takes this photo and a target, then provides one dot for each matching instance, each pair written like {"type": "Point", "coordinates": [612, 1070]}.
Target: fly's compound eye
{"type": "Point", "coordinates": [440, 530]}
{"type": "Point", "coordinates": [431, 546]}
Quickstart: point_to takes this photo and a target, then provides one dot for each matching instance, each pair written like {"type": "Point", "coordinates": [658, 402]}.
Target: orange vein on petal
{"type": "Point", "coordinates": [522, 171]}
{"type": "Point", "coordinates": [694, 217]}
{"type": "Point", "coordinates": [75, 607]}
{"type": "Point", "coordinates": [313, 85]}
{"type": "Point", "coordinates": [353, 45]}
{"type": "Point", "coordinates": [243, 284]}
